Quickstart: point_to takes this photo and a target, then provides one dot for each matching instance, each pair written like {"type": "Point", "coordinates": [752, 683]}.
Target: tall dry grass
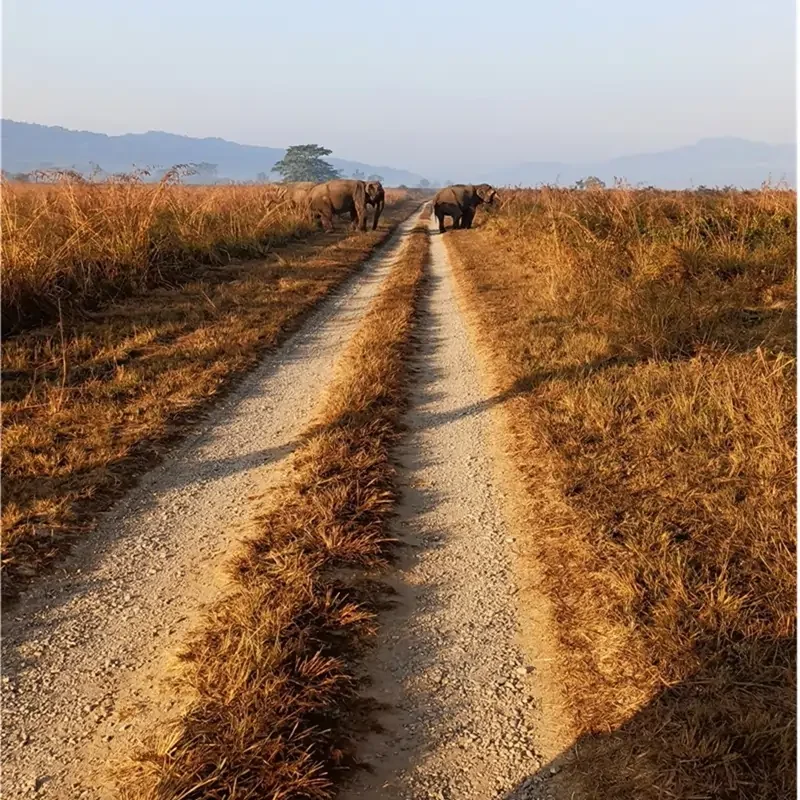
{"type": "Point", "coordinates": [643, 345]}
{"type": "Point", "coordinates": [74, 244]}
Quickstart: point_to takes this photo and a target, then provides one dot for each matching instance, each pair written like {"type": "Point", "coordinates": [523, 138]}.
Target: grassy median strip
{"type": "Point", "coordinates": [270, 672]}
{"type": "Point", "coordinates": [91, 402]}
{"type": "Point", "coordinates": [643, 348]}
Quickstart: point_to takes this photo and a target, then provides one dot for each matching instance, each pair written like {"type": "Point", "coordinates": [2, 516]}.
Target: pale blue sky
{"type": "Point", "coordinates": [429, 86]}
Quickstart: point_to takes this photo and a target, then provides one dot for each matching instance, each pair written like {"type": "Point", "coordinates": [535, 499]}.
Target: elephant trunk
{"type": "Point", "coordinates": [378, 212]}
{"type": "Point", "coordinates": [360, 204]}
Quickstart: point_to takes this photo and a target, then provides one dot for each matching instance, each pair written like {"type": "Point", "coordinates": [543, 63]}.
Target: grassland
{"type": "Point", "coordinates": [643, 348]}
{"type": "Point", "coordinates": [270, 672]}
{"type": "Point", "coordinates": [74, 245]}
{"type": "Point", "coordinates": [130, 314]}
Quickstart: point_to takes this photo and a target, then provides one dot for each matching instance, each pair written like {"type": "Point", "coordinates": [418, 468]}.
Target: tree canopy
{"type": "Point", "coordinates": [304, 162]}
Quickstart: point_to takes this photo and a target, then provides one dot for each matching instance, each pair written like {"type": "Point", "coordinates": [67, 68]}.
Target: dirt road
{"type": "Point", "coordinates": [83, 649]}
{"type": "Point", "coordinates": [83, 660]}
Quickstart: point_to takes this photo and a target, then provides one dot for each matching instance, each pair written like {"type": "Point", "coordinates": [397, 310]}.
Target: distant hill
{"type": "Point", "coordinates": [710, 162]}
{"type": "Point", "coordinates": [26, 147]}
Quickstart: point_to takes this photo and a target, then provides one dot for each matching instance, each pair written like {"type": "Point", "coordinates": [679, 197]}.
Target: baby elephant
{"type": "Point", "coordinates": [340, 197]}
{"type": "Point", "coordinates": [460, 202]}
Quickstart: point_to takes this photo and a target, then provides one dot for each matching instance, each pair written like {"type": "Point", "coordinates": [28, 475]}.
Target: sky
{"type": "Point", "coordinates": [426, 86]}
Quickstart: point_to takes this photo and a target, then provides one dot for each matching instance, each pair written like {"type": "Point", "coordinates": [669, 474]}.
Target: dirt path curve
{"type": "Point", "coordinates": [84, 649]}
{"type": "Point", "coordinates": [461, 710]}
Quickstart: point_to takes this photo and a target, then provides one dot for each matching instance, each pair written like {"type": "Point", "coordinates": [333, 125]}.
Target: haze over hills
{"type": "Point", "coordinates": [710, 162]}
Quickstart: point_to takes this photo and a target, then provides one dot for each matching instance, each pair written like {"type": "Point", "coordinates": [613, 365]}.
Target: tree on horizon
{"type": "Point", "coordinates": [304, 162]}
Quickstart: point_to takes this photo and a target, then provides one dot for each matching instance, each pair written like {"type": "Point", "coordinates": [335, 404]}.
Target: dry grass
{"type": "Point", "coordinates": [70, 246]}
{"type": "Point", "coordinates": [270, 672]}
{"type": "Point", "coordinates": [643, 346]}
{"type": "Point", "coordinates": [92, 401]}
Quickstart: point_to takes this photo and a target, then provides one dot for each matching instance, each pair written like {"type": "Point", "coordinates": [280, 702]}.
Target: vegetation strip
{"type": "Point", "coordinates": [92, 402]}
{"type": "Point", "coordinates": [643, 348]}
{"type": "Point", "coordinates": [270, 673]}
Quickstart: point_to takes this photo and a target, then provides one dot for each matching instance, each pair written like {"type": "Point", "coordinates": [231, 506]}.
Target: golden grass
{"type": "Point", "coordinates": [270, 672]}
{"type": "Point", "coordinates": [91, 402]}
{"type": "Point", "coordinates": [643, 348]}
{"type": "Point", "coordinates": [70, 246]}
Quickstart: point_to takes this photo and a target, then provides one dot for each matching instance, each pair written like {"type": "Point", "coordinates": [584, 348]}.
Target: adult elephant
{"type": "Point", "coordinates": [298, 192]}
{"type": "Point", "coordinates": [376, 197]}
{"type": "Point", "coordinates": [340, 197]}
{"type": "Point", "coordinates": [459, 202]}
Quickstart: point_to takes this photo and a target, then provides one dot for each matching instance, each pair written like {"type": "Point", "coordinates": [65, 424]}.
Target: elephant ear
{"type": "Point", "coordinates": [485, 192]}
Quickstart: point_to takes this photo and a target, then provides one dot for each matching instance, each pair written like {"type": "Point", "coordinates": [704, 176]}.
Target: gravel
{"type": "Point", "coordinates": [460, 708]}
{"type": "Point", "coordinates": [85, 650]}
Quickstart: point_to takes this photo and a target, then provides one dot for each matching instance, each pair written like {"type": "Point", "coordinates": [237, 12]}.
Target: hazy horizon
{"type": "Point", "coordinates": [516, 82]}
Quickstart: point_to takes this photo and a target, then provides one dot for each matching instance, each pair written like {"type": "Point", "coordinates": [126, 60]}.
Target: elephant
{"type": "Point", "coordinates": [298, 192]}
{"type": "Point", "coordinates": [376, 197]}
{"type": "Point", "coordinates": [340, 197]}
{"type": "Point", "coordinates": [460, 202]}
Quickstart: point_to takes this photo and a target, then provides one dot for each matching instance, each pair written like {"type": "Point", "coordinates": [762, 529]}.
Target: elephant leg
{"type": "Point", "coordinates": [466, 219]}
{"type": "Point", "coordinates": [378, 212]}
{"type": "Point", "coordinates": [440, 218]}
{"type": "Point", "coordinates": [354, 219]}
{"type": "Point", "coordinates": [456, 221]}
{"type": "Point", "coordinates": [326, 218]}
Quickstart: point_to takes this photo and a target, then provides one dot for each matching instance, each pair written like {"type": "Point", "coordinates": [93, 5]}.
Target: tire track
{"type": "Point", "coordinates": [461, 705]}
{"type": "Point", "coordinates": [85, 650]}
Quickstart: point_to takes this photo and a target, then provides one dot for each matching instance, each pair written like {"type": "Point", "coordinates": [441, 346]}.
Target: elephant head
{"type": "Point", "coordinates": [375, 196]}
{"type": "Point", "coordinates": [374, 191]}
{"type": "Point", "coordinates": [486, 193]}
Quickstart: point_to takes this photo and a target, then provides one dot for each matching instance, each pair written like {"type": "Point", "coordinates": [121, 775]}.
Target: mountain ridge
{"type": "Point", "coordinates": [27, 146]}
{"type": "Point", "coordinates": [711, 161]}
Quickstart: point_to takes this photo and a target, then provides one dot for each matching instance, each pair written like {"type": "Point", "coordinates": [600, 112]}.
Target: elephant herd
{"type": "Point", "coordinates": [340, 197]}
